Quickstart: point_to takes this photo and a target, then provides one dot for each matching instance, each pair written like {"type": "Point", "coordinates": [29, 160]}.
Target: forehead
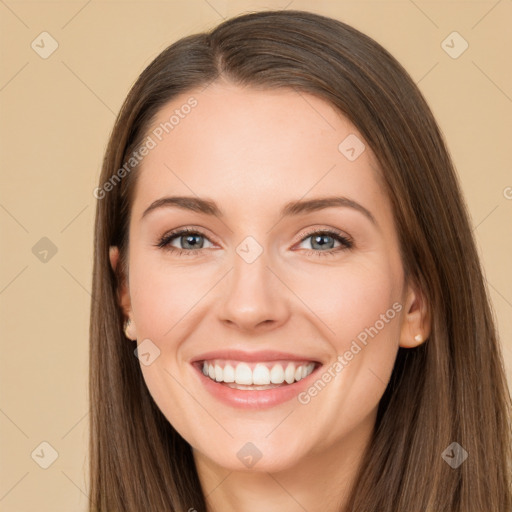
{"type": "Point", "coordinates": [254, 149]}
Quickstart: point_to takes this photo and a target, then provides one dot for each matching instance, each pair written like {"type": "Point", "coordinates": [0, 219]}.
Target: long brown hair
{"type": "Point", "coordinates": [452, 388]}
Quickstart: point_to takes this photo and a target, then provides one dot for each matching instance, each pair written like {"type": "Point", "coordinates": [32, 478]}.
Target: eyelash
{"type": "Point", "coordinates": [346, 242]}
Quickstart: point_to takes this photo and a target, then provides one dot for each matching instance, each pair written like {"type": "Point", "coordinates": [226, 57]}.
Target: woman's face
{"type": "Point", "coordinates": [269, 283]}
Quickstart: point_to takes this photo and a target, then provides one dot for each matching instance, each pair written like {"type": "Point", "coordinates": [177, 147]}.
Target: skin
{"type": "Point", "coordinates": [251, 151]}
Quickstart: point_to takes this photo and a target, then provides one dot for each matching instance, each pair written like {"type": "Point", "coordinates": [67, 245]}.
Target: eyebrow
{"type": "Point", "coordinates": [291, 208]}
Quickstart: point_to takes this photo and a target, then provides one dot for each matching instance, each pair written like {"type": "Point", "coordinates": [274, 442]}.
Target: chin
{"type": "Point", "coordinates": [253, 456]}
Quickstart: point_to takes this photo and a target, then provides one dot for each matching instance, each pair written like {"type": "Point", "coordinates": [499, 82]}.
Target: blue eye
{"type": "Point", "coordinates": [321, 239]}
{"type": "Point", "coordinates": [188, 237]}
{"type": "Point", "coordinates": [191, 246]}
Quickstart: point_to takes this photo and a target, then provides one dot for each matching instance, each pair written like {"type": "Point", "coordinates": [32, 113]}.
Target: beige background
{"type": "Point", "coordinates": [56, 115]}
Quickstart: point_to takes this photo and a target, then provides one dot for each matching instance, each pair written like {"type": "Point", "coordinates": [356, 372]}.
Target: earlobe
{"type": "Point", "coordinates": [129, 330]}
{"type": "Point", "coordinates": [113, 255]}
{"type": "Point", "coordinates": [123, 295]}
{"type": "Point", "coordinates": [416, 322]}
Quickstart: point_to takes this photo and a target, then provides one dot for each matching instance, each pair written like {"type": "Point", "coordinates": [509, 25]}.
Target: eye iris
{"type": "Point", "coordinates": [188, 238]}
{"type": "Point", "coordinates": [323, 244]}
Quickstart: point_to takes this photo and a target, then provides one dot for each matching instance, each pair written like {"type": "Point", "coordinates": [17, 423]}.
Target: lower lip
{"type": "Point", "coordinates": [247, 399]}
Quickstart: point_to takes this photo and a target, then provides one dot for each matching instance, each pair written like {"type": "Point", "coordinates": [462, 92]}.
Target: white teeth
{"type": "Point", "coordinates": [277, 374]}
{"type": "Point", "coordinates": [243, 374]}
{"type": "Point", "coordinates": [262, 374]}
{"type": "Point", "coordinates": [289, 373]}
{"type": "Point", "coordinates": [229, 373]}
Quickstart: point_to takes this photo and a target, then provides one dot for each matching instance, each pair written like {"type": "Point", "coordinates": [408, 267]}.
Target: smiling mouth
{"type": "Point", "coordinates": [256, 376]}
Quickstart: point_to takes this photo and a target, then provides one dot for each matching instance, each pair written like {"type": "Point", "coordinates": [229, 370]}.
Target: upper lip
{"type": "Point", "coordinates": [261, 355]}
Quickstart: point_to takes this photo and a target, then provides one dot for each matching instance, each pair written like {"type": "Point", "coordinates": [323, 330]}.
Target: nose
{"type": "Point", "coordinates": [254, 297]}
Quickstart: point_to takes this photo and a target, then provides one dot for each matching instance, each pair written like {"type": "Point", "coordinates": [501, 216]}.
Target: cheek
{"type": "Point", "coordinates": [168, 301]}
{"type": "Point", "coordinates": [362, 308]}
{"type": "Point", "coordinates": [360, 305]}
{"type": "Point", "coordinates": [367, 302]}
{"type": "Point", "coordinates": [351, 298]}
{"type": "Point", "coordinates": [162, 295]}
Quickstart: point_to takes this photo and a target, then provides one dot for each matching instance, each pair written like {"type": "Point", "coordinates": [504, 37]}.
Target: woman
{"type": "Point", "coordinates": [280, 229]}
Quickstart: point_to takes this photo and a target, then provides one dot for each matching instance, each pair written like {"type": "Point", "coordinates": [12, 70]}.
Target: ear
{"type": "Point", "coordinates": [123, 294]}
{"type": "Point", "coordinates": [416, 321]}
